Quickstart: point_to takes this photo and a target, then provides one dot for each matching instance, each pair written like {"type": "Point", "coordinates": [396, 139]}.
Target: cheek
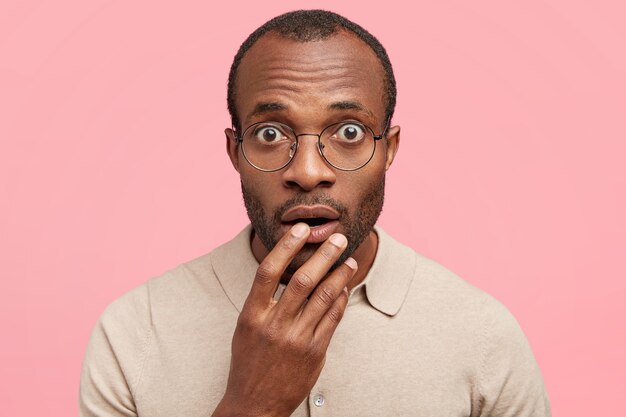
{"type": "Point", "coordinates": [358, 185]}
{"type": "Point", "coordinates": [372, 172]}
{"type": "Point", "coordinates": [264, 186]}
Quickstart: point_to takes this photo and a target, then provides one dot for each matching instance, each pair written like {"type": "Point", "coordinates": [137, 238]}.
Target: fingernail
{"type": "Point", "coordinates": [338, 240]}
{"type": "Point", "coordinates": [299, 230]}
{"type": "Point", "coordinates": [351, 263]}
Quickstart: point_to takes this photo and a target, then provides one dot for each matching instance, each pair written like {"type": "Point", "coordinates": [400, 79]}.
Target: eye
{"type": "Point", "coordinates": [350, 132]}
{"type": "Point", "coordinates": [268, 134]}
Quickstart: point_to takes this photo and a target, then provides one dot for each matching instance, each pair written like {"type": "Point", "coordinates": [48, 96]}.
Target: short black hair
{"type": "Point", "coordinates": [307, 26]}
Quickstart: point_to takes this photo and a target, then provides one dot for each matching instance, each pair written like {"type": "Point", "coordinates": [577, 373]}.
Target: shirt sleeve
{"type": "Point", "coordinates": [510, 382]}
{"type": "Point", "coordinates": [115, 357]}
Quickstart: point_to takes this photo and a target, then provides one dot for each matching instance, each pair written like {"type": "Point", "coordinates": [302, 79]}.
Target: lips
{"type": "Point", "coordinates": [323, 220]}
{"type": "Point", "coordinates": [312, 215]}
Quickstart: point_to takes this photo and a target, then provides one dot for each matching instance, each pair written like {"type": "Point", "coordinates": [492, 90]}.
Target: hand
{"type": "Point", "coordinates": [279, 347]}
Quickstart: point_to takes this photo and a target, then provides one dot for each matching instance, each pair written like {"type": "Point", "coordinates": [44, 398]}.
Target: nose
{"type": "Point", "coordinates": [308, 169]}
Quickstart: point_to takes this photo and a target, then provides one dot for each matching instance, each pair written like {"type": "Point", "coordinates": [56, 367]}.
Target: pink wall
{"type": "Point", "coordinates": [510, 172]}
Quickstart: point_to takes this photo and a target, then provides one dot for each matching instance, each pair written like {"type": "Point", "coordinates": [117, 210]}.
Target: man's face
{"type": "Point", "coordinates": [309, 86]}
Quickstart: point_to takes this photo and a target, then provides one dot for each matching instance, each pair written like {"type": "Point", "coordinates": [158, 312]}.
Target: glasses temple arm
{"type": "Point", "coordinates": [382, 135]}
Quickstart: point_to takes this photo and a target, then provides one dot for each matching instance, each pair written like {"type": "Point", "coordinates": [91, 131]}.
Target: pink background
{"type": "Point", "coordinates": [510, 170]}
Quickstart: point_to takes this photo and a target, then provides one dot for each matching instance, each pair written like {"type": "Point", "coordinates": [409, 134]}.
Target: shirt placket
{"type": "Point", "coordinates": [319, 404]}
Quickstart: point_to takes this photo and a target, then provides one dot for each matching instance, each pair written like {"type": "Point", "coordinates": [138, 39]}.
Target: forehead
{"type": "Point", "coordinates": [308, 77]}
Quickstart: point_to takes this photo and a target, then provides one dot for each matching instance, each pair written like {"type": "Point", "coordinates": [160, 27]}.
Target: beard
{"type": "Point", "coordinates": [356, 225]}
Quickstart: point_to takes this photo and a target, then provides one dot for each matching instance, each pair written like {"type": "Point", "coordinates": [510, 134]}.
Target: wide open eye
{"type": "Point", "coordinates": [268, 133]}
{"type": "Point", "coordinates": [350, 132]}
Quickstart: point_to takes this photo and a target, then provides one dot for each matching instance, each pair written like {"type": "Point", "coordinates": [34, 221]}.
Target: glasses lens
{"type": "Point", "coordinates": [348, 145]}
{"type": "Point", "coordinates": [268, 146]}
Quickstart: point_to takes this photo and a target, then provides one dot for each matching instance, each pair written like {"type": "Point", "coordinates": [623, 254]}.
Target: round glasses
{"type": "Point", "coordinates": [270, 146]}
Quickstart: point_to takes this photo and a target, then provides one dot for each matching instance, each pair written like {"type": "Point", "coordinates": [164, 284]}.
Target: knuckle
{"type": "Point", "coordinates": [244, 319]}
{"type": "Point", "coordinates": [302, 282]}
{"type": "Point", "coordinates": [335, 314]}
{"type": "Point", "coordinates": [324, 297]}
{"type": "Point", "coordinates": [295, 343]}
{"type": "Point", "coordinates": [270, 333]}
{"type": "Point", "coordinates": [315, 353]}
{"type": "Point", "coordinates": [246, 323]}
{"type": "Point", "coordinates": [265, 273]}
{"type": "Point", "coordinates": [308, 351]}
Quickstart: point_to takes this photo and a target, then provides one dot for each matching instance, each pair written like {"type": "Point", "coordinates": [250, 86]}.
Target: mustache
{"type": "Point", "coordinates": [309, 200]}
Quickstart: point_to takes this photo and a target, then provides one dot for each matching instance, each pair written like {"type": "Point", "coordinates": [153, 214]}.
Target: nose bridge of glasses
{"type": "Point", "coordinates": [308, 134]}
{"type": "Point", "coordinates": [298, 142]}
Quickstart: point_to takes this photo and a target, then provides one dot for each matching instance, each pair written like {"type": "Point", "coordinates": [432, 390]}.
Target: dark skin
{"type": "Point", "coordinates": [279, 347]}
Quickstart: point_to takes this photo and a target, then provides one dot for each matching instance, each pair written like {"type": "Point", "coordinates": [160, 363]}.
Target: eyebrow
{"type": "Point", "coordinates": [350, 105]}
{"type": "Point", "coordinates": [267, 107]}
{"type": "Point", "coordinates": [272, 106]}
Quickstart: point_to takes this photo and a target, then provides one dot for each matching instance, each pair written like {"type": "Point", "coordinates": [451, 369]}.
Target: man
{"type": "Point", "coordinates": [311, 310]}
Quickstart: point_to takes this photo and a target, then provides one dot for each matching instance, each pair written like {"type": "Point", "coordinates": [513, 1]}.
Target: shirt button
{"type": "Point", "coordinates": [318, 400]}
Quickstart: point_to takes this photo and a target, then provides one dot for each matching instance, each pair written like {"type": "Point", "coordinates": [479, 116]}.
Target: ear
{"type": "Point", "coordinates": [232, 147]}
{"type": "Point", "coordinates": [393, 143]}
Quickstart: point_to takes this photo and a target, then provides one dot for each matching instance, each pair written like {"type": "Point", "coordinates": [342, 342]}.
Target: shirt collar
{"type": "Point", "coordinates": [386, 284]}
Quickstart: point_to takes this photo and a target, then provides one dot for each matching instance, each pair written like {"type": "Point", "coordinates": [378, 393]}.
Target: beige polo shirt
{"type": "Point", "coordinates": [416, 340]}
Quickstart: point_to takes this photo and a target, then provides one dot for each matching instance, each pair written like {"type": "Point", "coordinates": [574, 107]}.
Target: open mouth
{"type": "Point", "coordinates": [314, 216]}
{"type": "Point", "coordinates": [311, 221]}
{"type": "Point", "coordinates": [322, 220]}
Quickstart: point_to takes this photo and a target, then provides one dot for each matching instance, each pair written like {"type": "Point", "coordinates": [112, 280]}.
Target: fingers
{"type": "Point", "coordinates": [329, 322]}
{"type": "Point", "coordinates": [308, 276]}
{"type": "Point", "coordinates": [326, 294]}
{"type": "Point", "coordinates": [273, 266]}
